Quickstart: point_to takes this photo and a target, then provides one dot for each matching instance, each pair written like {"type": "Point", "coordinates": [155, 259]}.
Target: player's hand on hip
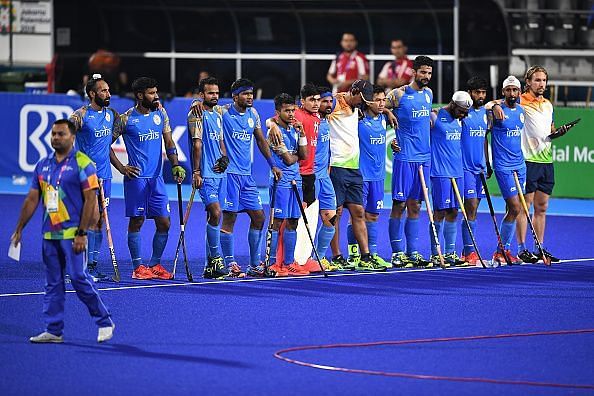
{"type": "Point", "coordinates": [79, 244]}
{"type": "Point", "coordinates": [394, 145]}
{"type": "Point", "coordinates": [131, 171]}
{"type": "Point", "coordinates": [277, 173]}
{"type": "Point", "coordinates": [15, 238]}
{"type": "Point", "coordinates": [179, 173]}
{"type": "Point", "coordinates": [197, 180]}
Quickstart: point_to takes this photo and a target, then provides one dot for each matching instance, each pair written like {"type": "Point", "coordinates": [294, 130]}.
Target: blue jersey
{"type": "Point", "coordinates": [506, 140]}
{"type": "Point", "coordinates": [372, 143]}
{"type": "Point", "coordinates": [238, 132]}
{"type": "Point", "coordinates": [446, 149]}
{"type": "Point", "coordinates": [210, 132]}
{"type": "Point", "coordinates": [94, 136]}
{"type": "Point", "coordinates": [412, 108]}
{"type": "Point", "coordinates": [290, 172]}
{"type": "Point", "coordinates": [142, 135]}
{"type": "Point", "coordinates": [322, 158]}
{"type": "Point", "coordinates": [474, 128]}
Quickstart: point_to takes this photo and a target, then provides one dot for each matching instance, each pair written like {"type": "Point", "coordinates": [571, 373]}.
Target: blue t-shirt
{"type": "Point", "coordinates": [412, 108]}
{"type": "Point", "coordinates": [210, 132]}
{"type": "Point", "coordinates": [142, 135]}
{"type": "Point", "coordinates": [322, 158]}
{"type": "Point", "coordinates": [238, 132]}
{"type": "Point", "coordinates": [93, 136]}
{"type": "Point", "coordinates": [506, 142]}
{"type": "Point", "coordinates": [290, 172]}
{"type": "Point", "coordinates": [474, 128]}
{"type": "Point", "coordinates": [446, 149]}
{"type": "Point", "coordinates": [372, 143]}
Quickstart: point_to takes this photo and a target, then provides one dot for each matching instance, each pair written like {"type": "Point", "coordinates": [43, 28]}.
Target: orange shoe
{"type": "Point", "coordinates": [498, 258]}
{"type": "Point", "coordinates": [280, 271]}
{"type": "Point", "coordinates": [512, 258]}
{"type": "Point", "coordinates": [160, 273]}
{"type": "Point", "coordinates": [473, 259]}
{"type": "Point", "coordinates": [311, 265]}
{"type": "Point", "coordinates": [143, 272]}
{"type": "Point", "coordinates": [295, 270]}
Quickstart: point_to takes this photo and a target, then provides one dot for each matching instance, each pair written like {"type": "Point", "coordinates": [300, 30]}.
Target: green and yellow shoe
{"type": "Point", "coordinates": [369, 263]}
{"type": "Point", "coordinates": [399, 260]}
{"type": "Point", "coordinates": [382, 262]}
{"type": "Point", "coordinates": [342, 264]}
{"type": "Point", "coordinates": [417, 260]}
{"type": "Point", "coordinates": [328, 266]}
{"type": "Point", "coordinates": [453, 260]}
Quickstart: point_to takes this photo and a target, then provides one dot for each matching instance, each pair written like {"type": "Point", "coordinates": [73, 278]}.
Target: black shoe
{"type": "Point", "coordinates": [92, 266]}
{"type": "Point", "coordinates": [548, 254]}
{"type": "Point", "coordinates": [215, 268]}
{"type": "Point", "coordinates": [527, 256]}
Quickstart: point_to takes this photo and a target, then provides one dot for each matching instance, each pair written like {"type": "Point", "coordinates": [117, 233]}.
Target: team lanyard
{"type": "Point", "coordinates": [49, 176]}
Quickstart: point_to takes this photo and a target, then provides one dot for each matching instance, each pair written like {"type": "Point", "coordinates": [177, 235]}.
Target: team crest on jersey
{"type": "Point", "coordinates": [156, 119]}
{"type": "Point", "coordinates": [250, 122]}
{"type": "Point", "coordinates": [427, 98]}
{"type": "Point", "coordinates": [107, 116]}
{"type": "Point", "coordinates": [522, 118]}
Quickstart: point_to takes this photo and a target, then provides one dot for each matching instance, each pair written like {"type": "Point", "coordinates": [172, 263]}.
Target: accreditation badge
{"type": "Point", "coordinates": [51, 201]}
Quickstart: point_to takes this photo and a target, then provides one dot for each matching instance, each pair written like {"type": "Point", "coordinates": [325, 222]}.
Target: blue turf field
{"type": "Point", "coordinates": [220, 337]}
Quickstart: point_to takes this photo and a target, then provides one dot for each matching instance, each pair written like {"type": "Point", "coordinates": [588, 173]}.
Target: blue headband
{"type": "Point", "coordinates": [325, 94]}
{"type": "Point", "coordinates": [242, 89]}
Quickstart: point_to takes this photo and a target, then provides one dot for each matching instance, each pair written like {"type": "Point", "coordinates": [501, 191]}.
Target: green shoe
{"type": "Point", "coordinates": [382, 262]}
{"type": "Point", "coordinates": [369, 263]}
{"type": "Point", "coordinates": [453, 260]}
{"type": "Point", "coordinates": [341, 264]}
{"type": "Point", "coordinates": [354, 260]}
{"type": "Point", "coordinates": [399, 260]}
{"type": "Point", "coordinates": [417, 260]}
{"type": "Point", "coordinates": [328, 266]}
{"type": "Point", "coordinates": [436, 262]}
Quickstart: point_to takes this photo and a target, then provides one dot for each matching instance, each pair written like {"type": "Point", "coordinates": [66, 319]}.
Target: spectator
{"type": "Point", "coordinates": [350, 65]}
{"type": "Point", "coordinates": [398, 72]}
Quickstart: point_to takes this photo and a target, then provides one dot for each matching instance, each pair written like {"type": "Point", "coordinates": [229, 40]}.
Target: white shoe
{"type": "Point", "coordinates": [46, 337]}
{"type": "Point", "coordinates": [105, 333]}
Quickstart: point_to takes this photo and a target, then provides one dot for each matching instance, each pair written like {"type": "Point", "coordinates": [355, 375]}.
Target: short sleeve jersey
{"type": "Point", "coordinates": [238, 133]}
{"type": "Point", "coordinates": [311, 125]}
{"type": "Point", "coordinates": [344, 134]}
{"type": "Point", "coordinates": [290, 172]}
{"type": "Point", "coordinates": [372, 141]}
{"type": "Point", "coordinates": [446, 150]}
{"type": "Point", "coordinates": [322, 160]}
{"type": "Point", "coordinates": [536, 144]}
{"type": "Point", "coordinates": [506, 141]}
{"type": "Point", "coordinates": [210, 131]}
{"type": "Point", "coordinates": [474, 128]}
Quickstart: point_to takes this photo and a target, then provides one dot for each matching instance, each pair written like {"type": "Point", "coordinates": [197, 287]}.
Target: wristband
{"type": "Point", "coordinates": [80, 232]}
{"type": "Point", "coordinates": [270, 162]}
{"type": "Point", "coordinates": [171, 151]}
{"type": "Point", "coordinates": [302, 141]}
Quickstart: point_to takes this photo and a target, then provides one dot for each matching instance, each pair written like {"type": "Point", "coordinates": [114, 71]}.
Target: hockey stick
{"type": "Point", "coordinates": [182, 224]}
{"type": "Point", "coordinates": [430, 214]}
{"type": "Point", "coordinates": [116, 270]}
{"type": "Point", "coordinates": [492, 211]}
{"type": "Point", "coordinates": [463, 210]}
{"type": "Point", "coordinates": [269, 230]}
{"type": "Point", "coordinates": [298, 197]}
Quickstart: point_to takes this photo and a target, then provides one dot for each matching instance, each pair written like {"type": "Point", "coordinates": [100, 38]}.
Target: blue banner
{"type": "Point", "coordinates": [28, 118]}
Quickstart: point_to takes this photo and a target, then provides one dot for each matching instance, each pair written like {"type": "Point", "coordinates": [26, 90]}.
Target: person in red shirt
{"type": "Point", "coordinates": [308, 115]}
{"type": "Point", "coordinates": [398, 72]}
{"type": "Point", "coordinates": [350, 65]}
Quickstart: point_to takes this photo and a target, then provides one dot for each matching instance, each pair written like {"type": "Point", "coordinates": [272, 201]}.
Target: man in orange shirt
{"type": "Point", "coordinates": [350, 65]}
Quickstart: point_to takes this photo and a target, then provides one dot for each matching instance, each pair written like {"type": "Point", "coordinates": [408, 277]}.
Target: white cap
{"type": "Point", "coordinates": [462, 99]}
{"type": "Point", "coordinates": [511, 80]}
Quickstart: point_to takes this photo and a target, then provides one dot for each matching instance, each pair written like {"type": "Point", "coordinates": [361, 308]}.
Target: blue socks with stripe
{"type": "Point", "coordinates": [159, 243]}
{"type": "Point", "coordinates": [372, 236]}
{"type": "Point", "coordinates": [411, 231]}
{"type": "Point", "coordinates": [227, 247]}
{"type": "Point", "coordinates": [438, 226]}
{"type": "Point", "coordinates": [254, 239]}
{"type": "Point", "coordinates": [134, 248]}
{"type": "Point", "coordinates": [289, 241]}
{"type": "Point", "coordinates": [466, 239]}
{"type": "Point", "coordinates": [325, 235]}
{"type": "Point", "coordinates": [396, 233]}
{"type": "Point", "coordinates": [273, 246]}
{"type": "Point", "coordinates": [213, 240]}
{"type": "Point", "coordinates": [449, 236]}
{"type": "Point", "coordinates": [506, 230]}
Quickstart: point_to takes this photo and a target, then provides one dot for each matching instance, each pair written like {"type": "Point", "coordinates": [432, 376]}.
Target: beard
{"type": "Point", "coordinates": [101, 102]}
{"type": "Point", "coordinates": [423, 82]}
{"type": "Point", "coordinates": [154, 105]}
{"type": "Point", "coordinates": [511, 101]}
{"type": "Point", "coordinates": [211, 103]}
{"type": "Point", "coordinates": [479, 102]}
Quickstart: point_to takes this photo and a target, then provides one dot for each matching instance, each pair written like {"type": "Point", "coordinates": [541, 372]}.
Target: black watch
{"type": "Point", "coordinates": [80, 232]}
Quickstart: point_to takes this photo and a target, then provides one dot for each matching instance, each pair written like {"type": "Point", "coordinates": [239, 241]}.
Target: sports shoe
{"type": "Point", "coordinates": [160, 272]}
{"type": "Point", "coordinates": [92, 266]}
{"type": "Point", "coordinates": [328, 266]}
{"type": "Point", "coordinates": [548, 254]}
{"type": "Point", "coordinates": [234, 271]}
{"type": "Point", "coordinates": [399, 260]}
{"type": "Point", "coordinates": [105, 333]}
{"type": "Point", "coordinates": [47, 338]}
{"type": "Point", "coordinates": [472, 259]}
{"type": "Point", "coordinates": [341, 264]}
{"type": "Point", "coordinates": [295, 269]}
{"type": "Point", "coordinates": [436, 262]}
{"type": "Point", "coordinates": [382, 262]}
{"type": "Point", "coordinates": [215, 268]}
{"type": "Point", "coordinates": [256, 271]}
{"type": "Point", "coordinates": [415, 259]}
{"type": "Point", "coordinates": [498, 259]}
{"type": "Point", "coordinates": [311, 265]}
{"type": "Point", "coordinates": [143, 272]}
{"type": "Point", "coordinates": [277, 271]}
{"type": "Point", "coordinates": [528, 257]}
{"type": "Point", "coordinates": [369, 263]}
{"type": "Point", "coordinates": [354, 260]}
{"type": "Point", "coordinates": [453, 259]}
{"type": "Point", "coordinates": [512, 258]}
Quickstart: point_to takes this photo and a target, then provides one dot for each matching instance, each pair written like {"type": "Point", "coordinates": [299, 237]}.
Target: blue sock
{"type": "Point", "coordinates": [396, 233]}
{"type": "Point", "coordinates": [438, 227]}
{"type": "Point", "coordinates": [289, 241]}
{"type": "Point", "coordinates": [91, 237]}
{"type": "Point", "coordinates": [507, 231]}
{"type": "Point", "coordinates": [411, 231]}
{"type": "Point", "coordinates": [466, 239]}
{"type": "Point", "coordinates": [98, 242]}
{"type": "Point", "coordinates": [521, 246]}
{"type": "Point", "coordinates": [254, 239]}
{"type": "Point", "coordinates": [273, 246]}
{"type": "Point", "coordinates": [449, 236]}
{"type": "Point", "coordinates": [372, 236]}
{"type": "Point", "coordinates": [325, 235]}
{"type": "Point", "coordinates": [159, 242]}
{"type": "Point", "coordinates": [227, 247]}
{"type": "Point", "coordinates": [351, 235]}
{"type": "Point", "coordinates": [213, 240]}
{"type": "Point", "coordinates": [134, 248]}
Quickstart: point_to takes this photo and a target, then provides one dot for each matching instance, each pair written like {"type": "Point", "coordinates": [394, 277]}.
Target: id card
{"type": "Point", "coordinates": [51, 203]}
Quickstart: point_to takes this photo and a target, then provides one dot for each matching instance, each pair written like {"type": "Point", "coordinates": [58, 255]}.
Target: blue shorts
{"type": "Point", "coordinates": [286, 205]}
{"type": "Point", "coordinates": [540, 177]}
{"type": "Point", "coordinates": [473, 187]}
{"type": "Point", "coordinates": [325, 193]}
{"type": "Point", "coordinates": [373, 196]}
{"type": "Point", "coordinates": [212, 190]}
{"type": "Point", "coordinates": [442, 193]}
{"type": "Point", "coordinates": [348, 185]}
{"type": "Point", "coordinates": [406, 182]}
{"type": "Point", "coordinates": [146, 197]}
{"type": "Point", "coordinates": [242, 194]}
{"type": "Point", "coordinates": [106, 194]}
{"type": "Point", "coordinates": [507, 184]}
